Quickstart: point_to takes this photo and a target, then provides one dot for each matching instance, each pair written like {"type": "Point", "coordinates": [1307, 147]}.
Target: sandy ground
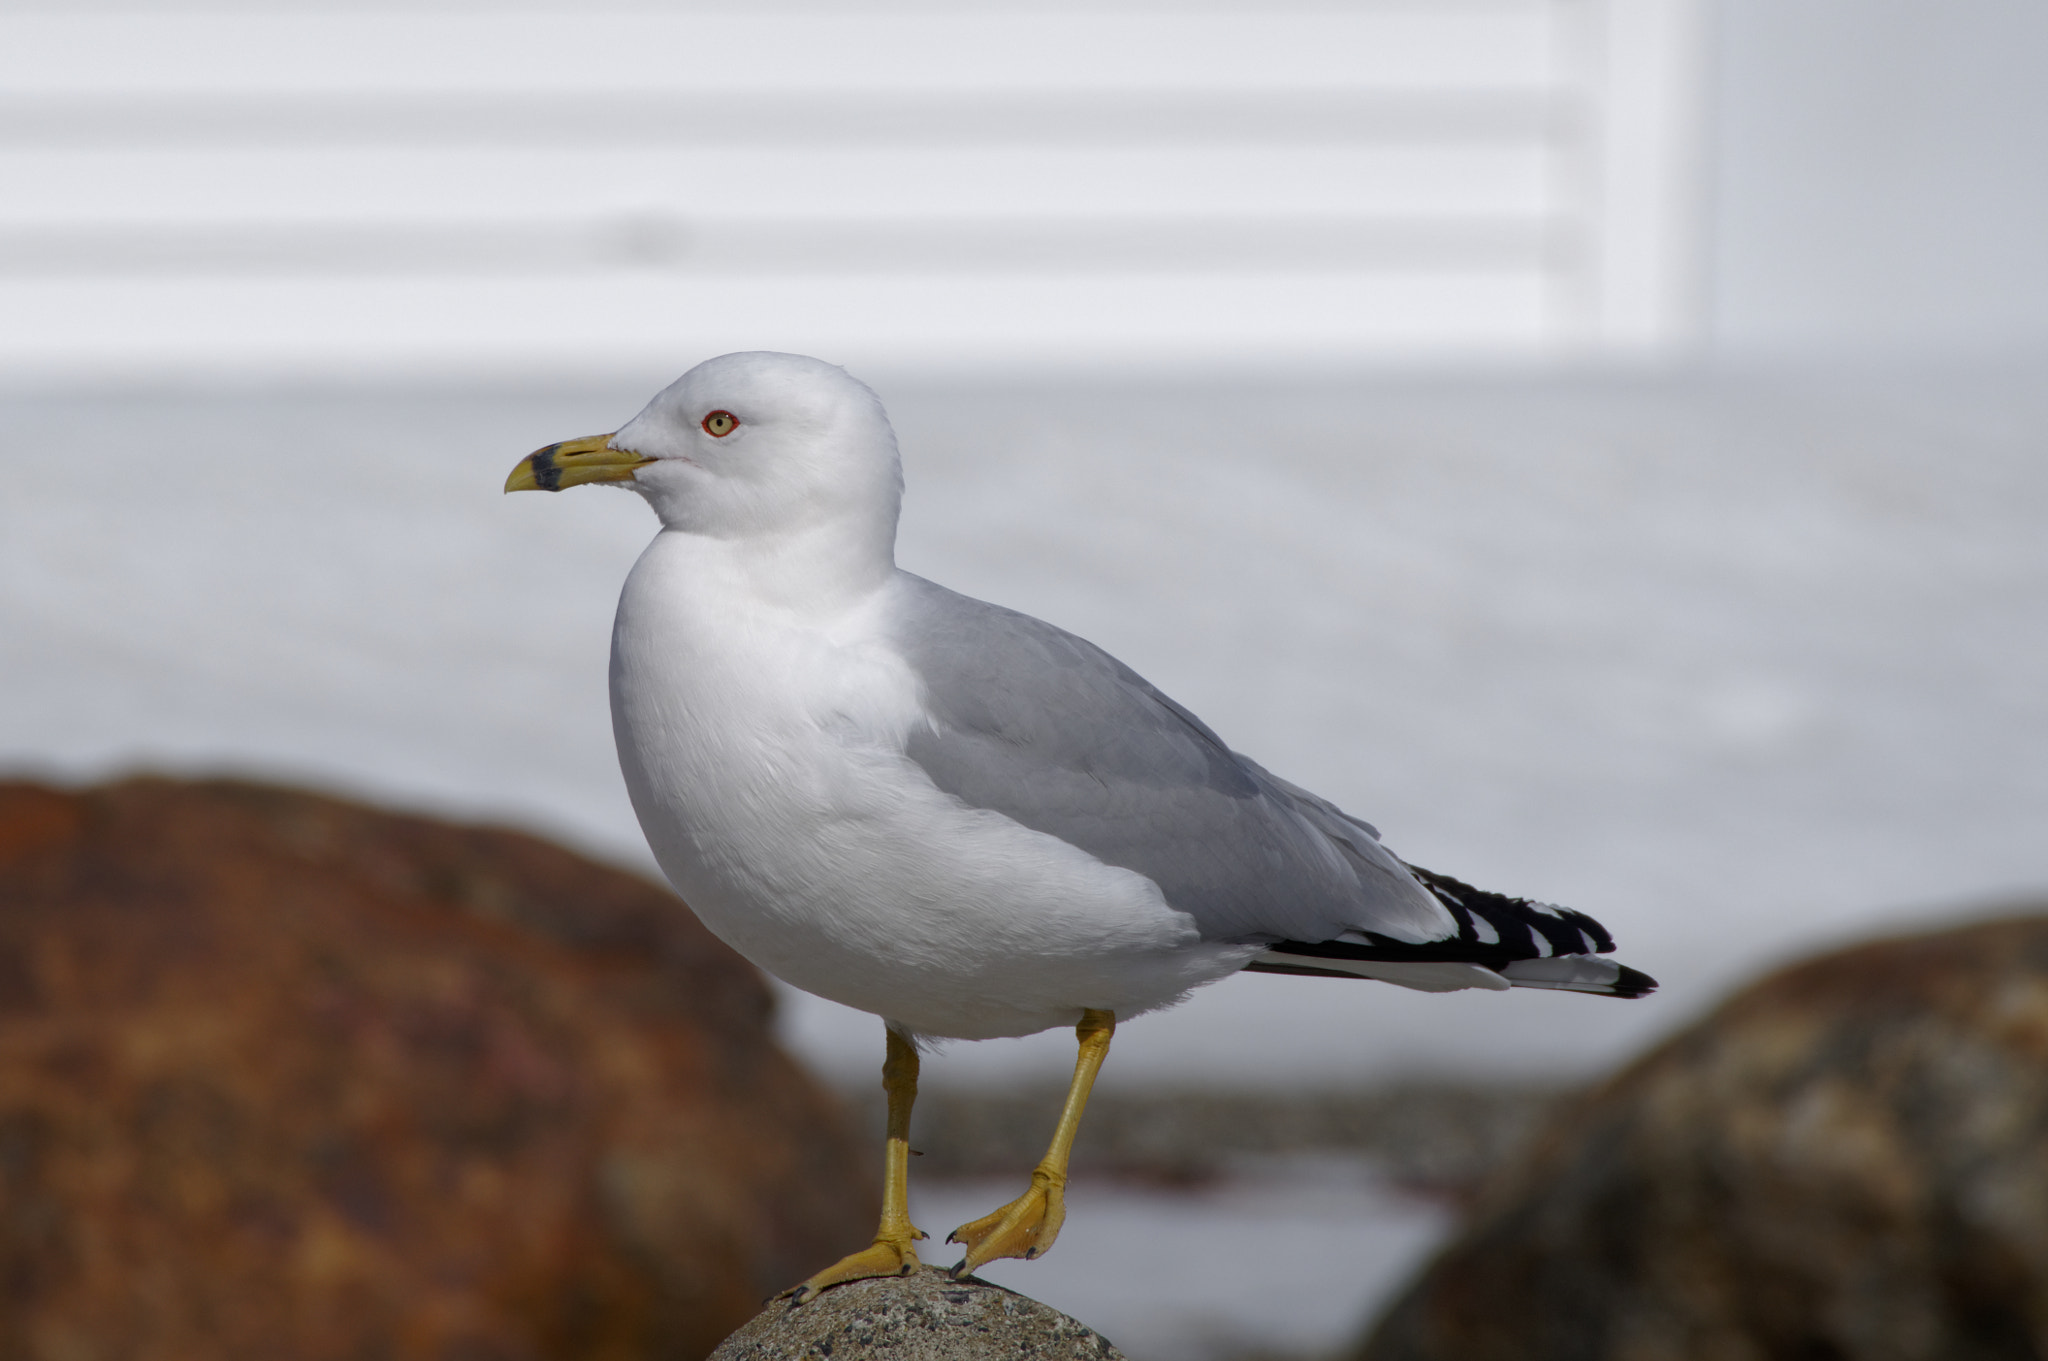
{"type": "Point", "coordinates": [1741, 664]}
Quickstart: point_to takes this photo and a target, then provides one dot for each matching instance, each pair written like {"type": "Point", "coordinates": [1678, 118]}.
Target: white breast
{"type": "Point", "coordinates": [763, 748]}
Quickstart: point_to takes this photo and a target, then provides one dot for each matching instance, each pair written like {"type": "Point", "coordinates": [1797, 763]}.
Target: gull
{"type": "Point", "coordinates": [954, 816]}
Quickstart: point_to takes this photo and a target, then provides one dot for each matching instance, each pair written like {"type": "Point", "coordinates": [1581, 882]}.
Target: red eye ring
{"type": "Point", "coordinates": [719, 424]}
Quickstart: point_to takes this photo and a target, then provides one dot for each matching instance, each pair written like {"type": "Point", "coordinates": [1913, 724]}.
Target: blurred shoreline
{"type": "Point", "coordinates": [1438, 1140]}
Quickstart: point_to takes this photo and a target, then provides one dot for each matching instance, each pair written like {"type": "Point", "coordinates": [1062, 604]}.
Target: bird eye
{"type": "Point", "coordinates": [719, 424]}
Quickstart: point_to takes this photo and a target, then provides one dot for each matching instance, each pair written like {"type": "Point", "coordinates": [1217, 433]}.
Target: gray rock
{"type": "Point", "coordinates": [926, 1317]}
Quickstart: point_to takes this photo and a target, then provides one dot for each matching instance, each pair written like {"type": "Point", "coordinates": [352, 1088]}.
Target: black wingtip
{"type": "Point", "coordinates": [1632, 983]}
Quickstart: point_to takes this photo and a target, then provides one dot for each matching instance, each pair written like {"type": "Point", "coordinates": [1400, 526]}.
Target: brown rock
{"type": "Point", "coordinates": [1847, 1160]}
{"type": "Point", "coordinates": [286, 1077]}
{"type": "Point", "coordinates": [925, 1317]}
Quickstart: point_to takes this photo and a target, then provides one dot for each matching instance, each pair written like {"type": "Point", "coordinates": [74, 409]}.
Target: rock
{"type": "Point", "coordinates": [925, 1317]}
{"type": "Point", "coordinates": [287, 1077]}
{"type": "Point", "coordinates": [1845, 1162]}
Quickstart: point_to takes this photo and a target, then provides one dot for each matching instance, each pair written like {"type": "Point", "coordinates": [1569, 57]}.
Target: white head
{"type": "Point", "coordinates": [777, 448]}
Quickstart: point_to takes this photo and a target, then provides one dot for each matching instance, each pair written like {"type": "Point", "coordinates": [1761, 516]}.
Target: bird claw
{"type": "Point", "coordinates": [885, 1257]}
{"type": "Point", "coordinates": [1025, 1228]}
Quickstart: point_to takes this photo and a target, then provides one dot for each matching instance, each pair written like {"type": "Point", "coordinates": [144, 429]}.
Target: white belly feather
{"type": "Point", "coordinates": [763, 751]}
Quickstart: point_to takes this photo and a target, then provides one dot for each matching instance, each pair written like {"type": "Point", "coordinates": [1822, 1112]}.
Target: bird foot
{"type": "Point", "coordinates": [888, 1256]}
{"type": "Point", "coordinates": [1026, 1227]}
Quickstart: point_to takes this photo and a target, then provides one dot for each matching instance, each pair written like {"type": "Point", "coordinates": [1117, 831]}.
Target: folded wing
{"type": "Point", "coordinates": [1032, 722]}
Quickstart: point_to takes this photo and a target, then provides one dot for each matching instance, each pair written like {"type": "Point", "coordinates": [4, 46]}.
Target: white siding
{"type": "Point", "coordinates": [464, 189]}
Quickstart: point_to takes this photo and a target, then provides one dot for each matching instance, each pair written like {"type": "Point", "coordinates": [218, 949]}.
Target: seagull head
{"type": "Point", "coordinates": [750, 445]}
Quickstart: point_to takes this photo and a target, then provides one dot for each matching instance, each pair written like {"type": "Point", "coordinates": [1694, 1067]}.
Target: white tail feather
{"type": "Point", "coordinates": [1422, 975]}
{"type": "Point", "coordinates": [1566, 973]}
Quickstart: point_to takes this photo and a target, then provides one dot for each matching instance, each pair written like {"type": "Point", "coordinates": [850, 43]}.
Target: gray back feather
{"type": "Point", "coordinates": [1046, 728]}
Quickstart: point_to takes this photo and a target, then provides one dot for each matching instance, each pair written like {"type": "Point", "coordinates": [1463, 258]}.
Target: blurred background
{"type": "Point", "coordinates": [1601, 442]}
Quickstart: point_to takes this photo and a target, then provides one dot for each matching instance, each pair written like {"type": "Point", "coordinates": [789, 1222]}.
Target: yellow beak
{"type": "Point", "coordinates": [574, 461]}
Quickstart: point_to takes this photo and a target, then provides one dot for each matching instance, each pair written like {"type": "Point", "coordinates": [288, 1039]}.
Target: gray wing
{"type": "Point", "coordinates": [1029, 721]}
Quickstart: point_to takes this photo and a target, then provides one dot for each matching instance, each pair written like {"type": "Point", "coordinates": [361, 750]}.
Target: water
{"type": "Point", "coordinates": [1289, 1259]}
{"type": "Point", "coordinates": [1743, 665]}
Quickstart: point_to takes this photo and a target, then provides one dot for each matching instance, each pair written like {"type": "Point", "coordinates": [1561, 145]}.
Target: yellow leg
{"type": "Point", "coordinates": [893, 1252]}
{"type": "Point", "coordinates": [1027, 1226]}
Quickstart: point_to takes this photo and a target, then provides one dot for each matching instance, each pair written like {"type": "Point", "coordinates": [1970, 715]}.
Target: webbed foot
{"type": "Point", "coordinates": [887, 1256]}
{"type": "Point", "coordinates": [1026, 1227]}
